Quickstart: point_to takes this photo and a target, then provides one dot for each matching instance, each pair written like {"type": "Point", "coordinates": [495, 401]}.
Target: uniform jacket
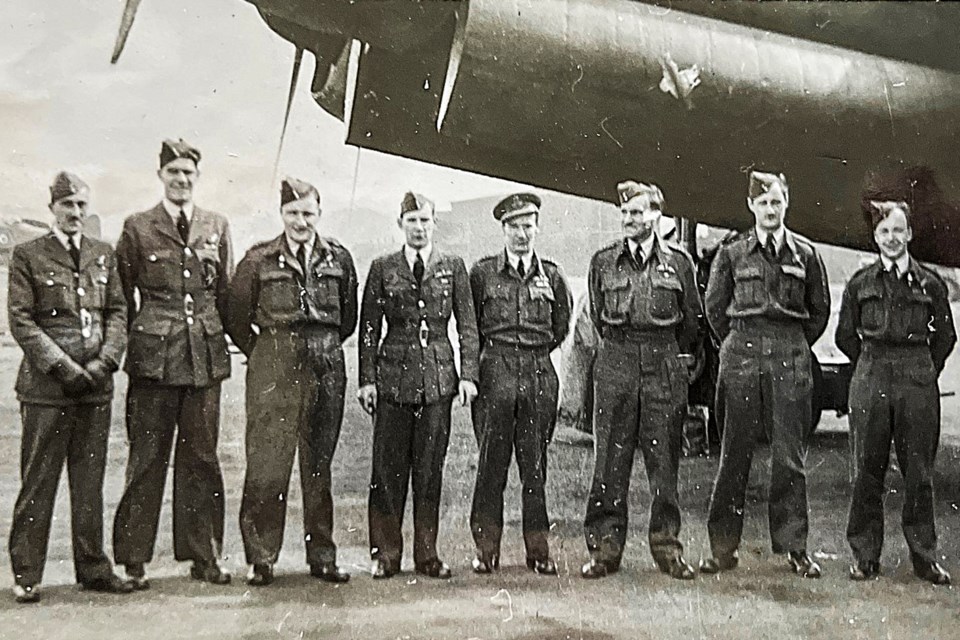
{"type": "Point", "coordinates": [56, 316]}
{"type": "Point", "coordinates": [267, 291]}
{"type": "Point", "coordinates": [914, 310]}
{"type": "Point", "coordinates": [661, 294]}
{"type": "Point", "coordinates": [405, 371]}
{"type": "Point", "coordinates": [530, 312]}
{"type": "Point", "coordinates": [176, 295]}
{"type": "Point", "coordinates": [745, 283]}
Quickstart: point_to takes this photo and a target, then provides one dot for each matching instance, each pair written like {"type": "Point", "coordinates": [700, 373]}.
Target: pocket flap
{"type": "Point", "coordinates": [747, 273]}
{"type": "Point", "coordinates": [152, 325]}
{"type": "Point", "coordinates": [614, 281]}
{"type": "Point", "coordinates": [794, 270]}
{"type": "Point", "coordinates": [667, 282]}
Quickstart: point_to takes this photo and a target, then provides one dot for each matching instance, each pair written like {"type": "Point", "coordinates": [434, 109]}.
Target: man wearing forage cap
{"type": "Point", "coordinates": [523, 304]}
{"type": "Point", "coordinates": [645, 305]}
{"type": "Point", "coordinates": [292, 303]}
{"type": "Point", "coordinates": [67, 313]}
{"type": "Point", "coordinates": [767, 302]}
{"type": "Point", "coordinates": [408, 381]}
{"type": "Point", "coordinates": [175, 263]}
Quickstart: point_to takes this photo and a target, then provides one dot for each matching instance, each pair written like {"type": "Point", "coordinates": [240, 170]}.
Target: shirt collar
{"type": "Point", "coordinates": [903, 263]}
{"type": "Point", "coordinates": [514, 258]}
{"type": "Point", "coordinates": [411, 254]}
{"type": "Point", "coordinates": [307, 246]}
{"type": "Point", "coordinates": [778, 236]}
{"type": "Point", "coordinates": [65, 239]}
{"type": "Point", "coordinates": [174, 210]}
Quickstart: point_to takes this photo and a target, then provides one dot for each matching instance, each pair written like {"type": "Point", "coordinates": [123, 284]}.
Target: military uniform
{"type": "Point", "coordinates": [177, 357]}
{"type": "Point", "coordinates": [520, 321]}
{"type": "Point", "coordinates": [295, 386]}
{"type": "Point", "coordinates": [898, 332]}
{"type": "Point", "coordinates": [767, 310]}
{"type": "Point", "coordinates": [647, 315]}
{"type": "Point", "coordinates": [62, 312]}
{"type": "Point", "coordinates": [413, 369]}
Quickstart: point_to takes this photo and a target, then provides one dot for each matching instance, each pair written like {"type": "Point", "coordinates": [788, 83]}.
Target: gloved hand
{"type": "Point", "coordinates": [72, 377]}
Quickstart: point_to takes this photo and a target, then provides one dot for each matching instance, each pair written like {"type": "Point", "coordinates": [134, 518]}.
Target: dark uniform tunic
{"type": "Point", "coordinates": [898, 332]}
{"type": "Point", "coordinates": [177, 356]}
{"type": "Point", "coordinates": [413, 368]}
{"type": "Point", "coordinates": [295, 385]}
{"type": "Point", "coordinates": [766, 311]}
{"type": "Point", "coordinates": [60, 313]}
{"type": "Point", "coordinates": [647, 315]}
{"type": "Point", "coordinates": [520, 320]}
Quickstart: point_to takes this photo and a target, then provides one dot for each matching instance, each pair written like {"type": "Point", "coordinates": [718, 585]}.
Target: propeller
{"type": "Point", "coordinates": [126, 22]}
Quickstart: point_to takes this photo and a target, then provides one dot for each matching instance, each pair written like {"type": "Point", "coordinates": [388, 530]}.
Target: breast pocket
{"type": "Point", "coordinates": [279, 292]}
{"type": "Point", "coordinates": [440, 294]}
{"type": "Point", "coordinates": [500, 304]}
{"type": "Point", "coordinates": [326, 292]}
{"type": "Point", "coordinates": [872, 311]}
{"type": "Point", "coordinates": [160, 268]}
{"type": "Point", "coordinates": [665, 294]}
{"type": "Point", "coordinates": [96, 282]}
{"type": "Point", "coordinates": [748, 288]}
{"type": "Point", "coordinates": [919, 312]}
{"type": "Point", "coordinates": [615, 289]}
{"type": "Point", "coordinates": [54, 291]}
{"type": "Point", "coordinates": [793, 286]}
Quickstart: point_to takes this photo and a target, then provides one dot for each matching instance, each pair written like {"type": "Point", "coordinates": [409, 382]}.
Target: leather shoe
{"type": "Point", "coordinates": [864, 570]}
{"type": "Point", "coordinates": [931, 572]}
{"type": "Point", "coordinates": [484, 564]}
{"type": "Point", "coordinates": [108, 584]}
{"type": "Point", "coordinates": [261, 576]}
{"type": "Point", "coordinates": [211, 573]}
{"type": "Point", "coordinates": [803, 565]}
{"type": "Point", "coordinates": [720, 563]}
{"type": "Point", "coordinates": [434, 569]}
{"type": "Point", "coordinates": [26, 593]}
{"type": "Point", "coordinates": [677, 568]}
{"type": "Point", "coordinates": [598, 569]}
{"type": "Point", "coordinates": [545, 567]}
{"type": "Point", "coordinates": [383, 569]}
{"type": "Point", "coordinates": [137, 576]}
{"type": "Point", "coordinates": [329, 572]}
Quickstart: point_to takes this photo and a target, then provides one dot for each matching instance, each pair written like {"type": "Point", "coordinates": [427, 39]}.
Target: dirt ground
{"type": "Point", "coordinates": [759, 600]}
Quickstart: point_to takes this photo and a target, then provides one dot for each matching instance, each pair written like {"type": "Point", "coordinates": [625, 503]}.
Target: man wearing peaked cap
{"type": "Point", "coordinates": [408, 381]}
{"type": "Point", "coordinates": [67, 313]}
{"type": "Point", "coordinates": [645, 305]}
{"type": "Point", "coordinates": [767, 302]}
{"type": "Point", "coordinates": [522, 303]}
{"type": "Point", "coordinates": [300, 290]}
{"type": "Point", "coordinates": [176, 259]}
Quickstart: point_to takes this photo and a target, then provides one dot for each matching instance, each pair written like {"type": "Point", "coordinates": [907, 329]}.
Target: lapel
{"type": "Point", "coordinates": [288, 256]}
{"type": "Point", "coordinates": [321, 252]}
{"type": "Point", "coordinates": [58, 253]}
{"type": "Point", "coordinates": [401, 268]}
{"type": "Point", "coordinates": [88, 253]}
{"type": "Point", "coordinates": [164, 225]}
{"type": "Point", "coordinates": [433, 263]}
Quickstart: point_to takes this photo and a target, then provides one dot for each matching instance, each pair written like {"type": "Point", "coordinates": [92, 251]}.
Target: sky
{"type": "Point", "coordinates": [208, 71]}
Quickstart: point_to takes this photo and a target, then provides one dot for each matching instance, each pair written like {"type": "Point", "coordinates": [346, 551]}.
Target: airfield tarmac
{"type": "Point", "coordinates": [760, 600]}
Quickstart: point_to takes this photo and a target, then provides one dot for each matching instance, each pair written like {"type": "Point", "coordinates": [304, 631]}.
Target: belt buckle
{"type": "Point", "coordinates": [424, 332]}
{"type": "Point", "coordinates": [86, 323]}
{"type": "Point", "coordinates": [188, 304]}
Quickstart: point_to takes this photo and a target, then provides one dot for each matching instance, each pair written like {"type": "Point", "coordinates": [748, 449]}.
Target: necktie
{"type": "Point", "coordinates": [521, 269]}
{"type": "Point", "coordinates": [895, 271]}
{"type": "Point", "coordinates": [638, 256]}
{"type": "Point", "coordinates": [302, 259]}
{"type": "Point", "coordinates": [418, 269]}
{"type": "Point", "coordinates": [74, 253]}
{"type": "Point", "coordinates": [771, 247]}
{"type": "Point", "coordinates": [183, 226]}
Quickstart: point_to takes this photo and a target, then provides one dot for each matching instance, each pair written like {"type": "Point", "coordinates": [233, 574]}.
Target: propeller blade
{"type": "Point", "coordinates": [129, 13]}
{"type": "Point", "coordinates": [286, 116]}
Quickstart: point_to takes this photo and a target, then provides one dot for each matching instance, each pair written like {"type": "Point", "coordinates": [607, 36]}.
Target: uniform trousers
{"type": "Point", "coordinates": [78, 435]}
{"type": "Point", "coordinates": [155, 412]}
{"type": "Point", "coordinates": [515, 411]}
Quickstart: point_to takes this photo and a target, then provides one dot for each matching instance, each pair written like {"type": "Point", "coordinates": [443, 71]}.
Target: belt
{"type": "Point", "coordinates": [764, 326]}
{"type": "Point", "coordinates": [633, 334]}
{"type": "Point", "coordinates": [507, 348]}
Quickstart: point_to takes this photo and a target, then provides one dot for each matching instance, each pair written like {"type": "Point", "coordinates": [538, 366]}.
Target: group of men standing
{"type": "Point", "coordinates": [169, 297]}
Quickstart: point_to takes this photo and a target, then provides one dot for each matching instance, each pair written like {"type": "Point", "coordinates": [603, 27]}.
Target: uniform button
{"type": "Point", "coordinates": [49, 283]}
{"type": "Point", "coordinates": [186, 273]}
{"type": "Point", "coordinates": [421, 304]}
{"type": "Point", "coordinates": [189, 320]}
{"type": "Point", "coordinates": [153, 257]}
{"type": "Point", "coordinates": [187, 252]}
{"type": "Point", "coordinates": [81, 291]}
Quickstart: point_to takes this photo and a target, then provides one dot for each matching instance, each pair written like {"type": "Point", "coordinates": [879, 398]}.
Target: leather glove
{"type": "Point", "coordinates": [73, 378]}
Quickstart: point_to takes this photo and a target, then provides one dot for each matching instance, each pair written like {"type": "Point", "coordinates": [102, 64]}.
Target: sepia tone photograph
{"type": "Point", "coordinates": [479, 319]}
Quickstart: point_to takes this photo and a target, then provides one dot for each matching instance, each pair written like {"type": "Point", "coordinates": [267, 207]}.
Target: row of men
{"type": "Point", "coordinates": [168, 295]}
